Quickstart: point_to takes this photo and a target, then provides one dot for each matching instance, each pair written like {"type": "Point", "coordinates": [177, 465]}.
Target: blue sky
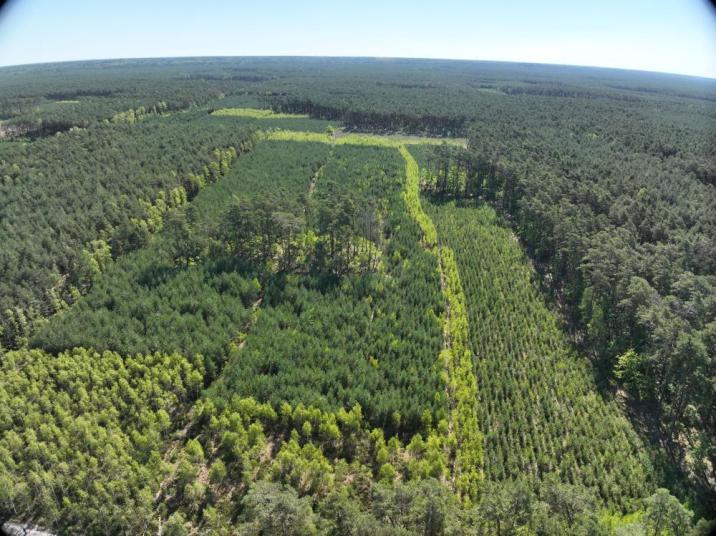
{"type": "Point", "coordinates": [677, 36]}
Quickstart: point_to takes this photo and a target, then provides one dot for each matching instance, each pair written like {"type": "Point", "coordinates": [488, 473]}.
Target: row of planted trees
{"type": "Point", "coordinates": [461, 395]}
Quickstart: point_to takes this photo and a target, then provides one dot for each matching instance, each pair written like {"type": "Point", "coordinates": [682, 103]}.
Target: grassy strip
{"type": "Point", "coordinates": [359, 139]}
{"type": "Point", "coordinates": [411, 196]}
{"type": "Point", "coordinates": [396, 141]}
{"type": "Point", "coordinates": [295, 135]}
{"type": "Point", "coordinates": [351, 139]}
{"type": "Point", "coordinates": [462, 384]}
{"type": "Point", "coordinates": [256, 113]}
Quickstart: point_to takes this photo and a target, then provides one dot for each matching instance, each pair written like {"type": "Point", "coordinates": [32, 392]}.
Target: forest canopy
{"type": "Point", "coordinates": [350, 296]}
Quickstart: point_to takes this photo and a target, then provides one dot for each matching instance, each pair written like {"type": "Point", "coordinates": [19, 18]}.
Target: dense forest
{"type": "Point", "coordinates": [629, 257]}
{"type": "Point", "coordinates": [349, 296]}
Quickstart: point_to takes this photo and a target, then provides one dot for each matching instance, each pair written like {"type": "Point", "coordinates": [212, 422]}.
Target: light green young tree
{"type": "Point", "coordinates": [666, 515]}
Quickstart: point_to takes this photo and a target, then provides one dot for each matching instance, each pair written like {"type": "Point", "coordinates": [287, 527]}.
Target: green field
{"type": "Point", "coordinates": [255, 113]}
{"type": "Point", "coordinates": [266, 120]}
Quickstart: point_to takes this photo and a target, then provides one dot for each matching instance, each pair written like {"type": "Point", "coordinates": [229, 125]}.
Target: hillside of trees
{"type": "Point", "coordinates": [345, 296]}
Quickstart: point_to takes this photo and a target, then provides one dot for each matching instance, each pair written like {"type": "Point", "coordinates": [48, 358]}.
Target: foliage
{"type": "Point", "coordinates": [664, 514]}
{"type": "Point", "coordinates": [269, 509]}
{"type": "Point", "coordinates": [547, 390]}
{"type": "Point", "coordinates": [46, 223]}
{"type": "Point", "coordinates": [177, 293]}
{"type": "Point", "coordinates": [82, 432]}
{"type": "Point", "coordinates": [336, 337]}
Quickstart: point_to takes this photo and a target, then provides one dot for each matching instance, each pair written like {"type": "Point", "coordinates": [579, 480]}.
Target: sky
{"type": "Point", "coordinates": [676, 36]}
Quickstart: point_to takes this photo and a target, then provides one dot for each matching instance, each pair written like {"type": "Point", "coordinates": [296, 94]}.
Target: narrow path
{"type": "Point", "coordinates": [314, 182]}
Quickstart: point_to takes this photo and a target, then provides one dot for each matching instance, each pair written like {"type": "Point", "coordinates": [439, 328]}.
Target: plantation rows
{"type": "Point", "coordinates": [46, 224]}
{"type": "Point", "coordinates": [539, 408]}
{"type": "Point", "coordinates": [186, 292]}
{"type": "Point", "coordinates": [275, 378]}
{"type": "Point", "coordinates": [183, 292]}
{"type": "Point", "coordinates": [461, 388]}
{"type": "Point", "coordinates": [370, 342]}
{"type": "Point", "coordinates": [368, 335]}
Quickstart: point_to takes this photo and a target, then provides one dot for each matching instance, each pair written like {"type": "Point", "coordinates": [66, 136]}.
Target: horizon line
{"type": "Point", "coordinates": [299, 56]}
